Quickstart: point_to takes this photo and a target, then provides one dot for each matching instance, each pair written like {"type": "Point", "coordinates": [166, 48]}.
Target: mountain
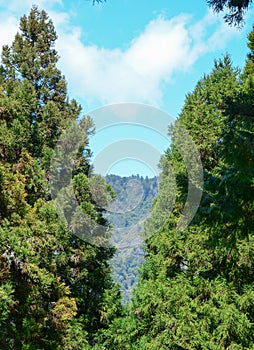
{"type": "Point", "coordinates": [133, 202]}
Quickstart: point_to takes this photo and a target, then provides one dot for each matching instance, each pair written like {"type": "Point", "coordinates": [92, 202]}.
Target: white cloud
{"type": "Point", "coordinates": [137, 73]}
{"type": "Point", "coordinates": [211, 34]}
{"type": "Point", "coordinates": [8, 29]}
{"type": "Point", "coordinates": [133, 74]}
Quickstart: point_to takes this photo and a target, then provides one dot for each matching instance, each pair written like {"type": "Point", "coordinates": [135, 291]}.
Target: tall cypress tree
{"type": "Point", "coordinates": [32, 58]}
{"type": "Point", "coordinates": [55, 289]}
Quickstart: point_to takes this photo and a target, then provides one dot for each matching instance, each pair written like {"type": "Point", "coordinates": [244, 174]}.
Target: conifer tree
{"type": "Point", "coordinates": [32, 59]}
{"type": "Point", "coordinates": [55, 289]}
{"type": "Point", "coordinates": [200, 281]}
{"type": "Point", "coordinates": [196, 286]}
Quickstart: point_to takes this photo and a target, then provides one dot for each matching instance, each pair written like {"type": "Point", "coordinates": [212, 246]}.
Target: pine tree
{"type": "Point", "coordinates": [56, 290]}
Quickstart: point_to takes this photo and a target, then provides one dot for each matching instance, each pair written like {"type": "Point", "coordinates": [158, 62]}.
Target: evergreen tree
{"type": "Point", "coordinates": [55, 290]}
{"type": "Point", "coordinates": [196, 286]}
{"type": "Point", "coordinates": [31, 59]}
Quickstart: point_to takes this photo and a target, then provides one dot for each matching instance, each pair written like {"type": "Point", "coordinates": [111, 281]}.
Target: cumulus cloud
{"type": "Point", "coordinates": [136, 73]}
{"type": "Point", "coordinates": [8, 29]}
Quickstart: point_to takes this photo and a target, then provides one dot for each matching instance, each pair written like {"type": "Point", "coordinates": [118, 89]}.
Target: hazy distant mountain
{"type": "Point", "coordinates": [134, 198]}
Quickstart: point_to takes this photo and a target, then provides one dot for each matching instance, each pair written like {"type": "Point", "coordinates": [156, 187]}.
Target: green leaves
{"type": "Point", "coordinates": [195, 287]}
{"type": "Point", "coordinates": [53, 285]}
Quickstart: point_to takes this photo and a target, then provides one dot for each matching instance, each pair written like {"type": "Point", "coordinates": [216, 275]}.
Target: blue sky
{"type": "Point", "coordinates": [150, 52]}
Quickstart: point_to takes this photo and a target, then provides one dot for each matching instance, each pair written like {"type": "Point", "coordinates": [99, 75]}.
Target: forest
{"type": "Point", "coordinates": [195, 287]}
{"type": "Point", "coordinates": [134, 199]}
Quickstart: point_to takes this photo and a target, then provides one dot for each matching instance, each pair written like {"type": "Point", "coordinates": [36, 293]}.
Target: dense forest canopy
{"type": "Point", "coordinates": [196, 287]}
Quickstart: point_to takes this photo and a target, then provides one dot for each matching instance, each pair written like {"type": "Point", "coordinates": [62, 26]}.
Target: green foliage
{"type": "Point", "coordinates": [195, 290]}
{"type": "Point", "coordinates": [29, 70]}
{"type": "Point", "coordinates": [54, 287]}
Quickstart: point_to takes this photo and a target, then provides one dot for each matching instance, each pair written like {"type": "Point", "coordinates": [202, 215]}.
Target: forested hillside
{"type": "Point", "coordinates": [134, 198]}
{"type": "Point", "coordinates": [196, 286]}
